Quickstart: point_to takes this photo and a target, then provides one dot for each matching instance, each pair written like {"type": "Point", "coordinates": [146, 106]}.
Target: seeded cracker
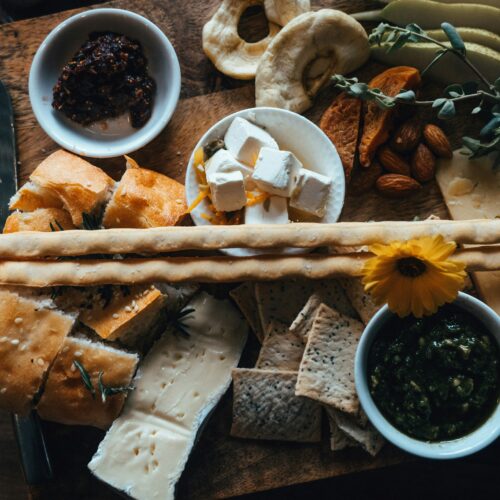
{"type": "Point", "coordinates": [361, 301]}
{"type": "Point", "coordinates": [244, 296]}
{"type": "Point", "coordinates": [339, 440]}
{"type": "Point", "coordinates": [327, 369]}
{"type": "Point", "coordinates": [283, 300]}
{"type": "Point", "coordinates": [281, 349]}
{"type": "Point", "coordinates": [265, 407]}
{"type": "Point", "coordinates": [368, 438]}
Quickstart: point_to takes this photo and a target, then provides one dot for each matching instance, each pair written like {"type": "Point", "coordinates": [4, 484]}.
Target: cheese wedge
{"type": "Point", "coordinates": [470, 190]}
{"type": "Point", "coordinates": [178, 384]}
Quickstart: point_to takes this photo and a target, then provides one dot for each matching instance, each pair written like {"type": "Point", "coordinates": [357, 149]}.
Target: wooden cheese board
{"type": "Point", "coordinates": [219, 466]}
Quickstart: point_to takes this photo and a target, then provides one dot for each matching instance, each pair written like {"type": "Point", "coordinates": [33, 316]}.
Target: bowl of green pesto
{"type": "Point", "coordinates": [431, 385]}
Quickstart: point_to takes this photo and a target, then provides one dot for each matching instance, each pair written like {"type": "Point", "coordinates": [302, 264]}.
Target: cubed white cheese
{"type": "Point", "coordinates": [244, 140]}
{"type": "Point", "coordinates": [276, 172]}
{"type": "Point", "coordinates": [311, 192]}
{"type": "Point", "coordinates": [223, 161]}
{"type": "Point", "coordinates": [273, 210]}
{"type": "Point", "coordinates": [228, 191]}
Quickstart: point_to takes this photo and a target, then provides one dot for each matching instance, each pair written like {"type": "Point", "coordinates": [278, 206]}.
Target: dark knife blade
{"type": "Point", "coordinates": [8, 161]}
{"type": "Point", "coordinates": [29, 436]}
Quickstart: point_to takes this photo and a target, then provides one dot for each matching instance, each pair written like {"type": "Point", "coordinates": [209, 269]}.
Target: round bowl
{"type": "Point", "coordinates": [117, 137]}
{"type": "Point", "coordinates": [456, 448]}
{"type": "Point", "coordinates": [293, 133]}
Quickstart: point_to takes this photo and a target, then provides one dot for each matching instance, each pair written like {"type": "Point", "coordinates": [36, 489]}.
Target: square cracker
{"type": "Point", "coordinates": [361, 301]}
{"type": "Point", "coordinates": [282, 349]}
{"type": "Point", "coordinates": [265, 407]}
{"type": "Point", "coordinates": [244, 296]}
{"type": "Point", "coordinates": [339, 440]}
{"type": "Point", "coordinates": [327, 369]}
{"type": "Point", "coordinates": [283, 300]}
{"type": "Point", "coordinates": [368, 437]}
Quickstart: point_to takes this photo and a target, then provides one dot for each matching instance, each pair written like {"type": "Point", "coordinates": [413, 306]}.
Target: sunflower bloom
{"type": "Point", "coordinates": [415, 276]}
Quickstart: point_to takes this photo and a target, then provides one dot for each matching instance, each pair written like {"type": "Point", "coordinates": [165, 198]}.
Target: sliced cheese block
{"type": "Point", "coordinates": [177, 385]}
{"type": "Point", "coordinates": [471, 190]}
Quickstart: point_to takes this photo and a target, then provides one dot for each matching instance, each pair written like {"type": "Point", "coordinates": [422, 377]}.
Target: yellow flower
{"type": "Point", "coordinates": [413, 276]}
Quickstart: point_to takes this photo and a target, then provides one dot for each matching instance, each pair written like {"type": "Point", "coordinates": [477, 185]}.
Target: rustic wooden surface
{"type": "Point", "coordinates": [219, 466]}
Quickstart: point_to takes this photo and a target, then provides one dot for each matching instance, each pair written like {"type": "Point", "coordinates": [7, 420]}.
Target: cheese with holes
{"type": "Point", "coordinates": [272, 210]}
{"type": "Point", "coordinates": [276, 172]}
{"type": "Point", "coordinates": [471, 191]}
{"type": "Point", "coordinates": [178, 384]}
{"type": "Point", "coordinates": [228, 190]}
{"type": "Point", "coordinates": [244, 140]}
{"type": "Point", "coordinates": [311, 192]}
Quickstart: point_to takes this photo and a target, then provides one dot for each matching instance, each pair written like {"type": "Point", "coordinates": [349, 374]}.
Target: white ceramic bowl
{"type": "Point", "coordinates": [61, 44]}
{"type": "Point", "coordinates": [456, 448]}
{"type": "Point", "coordinates": [293, 133]}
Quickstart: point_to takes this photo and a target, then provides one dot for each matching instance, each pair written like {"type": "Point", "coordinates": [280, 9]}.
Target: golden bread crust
{"type": "Point", "coordinates": [30, 338]}
{"type": "Point", "coordinates": [145, 198]}
{"type": "Point", "coordinates": [38, 220]}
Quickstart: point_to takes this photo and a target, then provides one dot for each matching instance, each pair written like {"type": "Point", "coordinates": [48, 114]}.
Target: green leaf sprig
{"type": "Point", "coordinates": [488, 93]}
{"type": "Point", "coordinates": [87, 382]}
{"type": "Point", "coordinates": [178, 321]}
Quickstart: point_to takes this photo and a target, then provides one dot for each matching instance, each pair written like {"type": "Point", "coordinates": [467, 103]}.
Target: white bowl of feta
{"type": "Point", "coordinates": [273, 155]}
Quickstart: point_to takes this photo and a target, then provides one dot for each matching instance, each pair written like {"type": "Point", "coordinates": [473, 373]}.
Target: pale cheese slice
{"type": "Point", "coordinates": [471, 190]}
{"type": "Point", "coordinates": [177, 385]}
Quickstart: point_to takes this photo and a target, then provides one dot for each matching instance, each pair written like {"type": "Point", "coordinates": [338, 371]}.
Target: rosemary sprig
{"type": "Point", "coordinates": [90, 222]}
{"type": "Point", "coordinates": [85, 377]}
{"type": "Point", "coordinates": [107, 390]}
{"type": "Point", "coordinates": [395, 37]}
{"type": "Point", "coordinates": [177, 321]}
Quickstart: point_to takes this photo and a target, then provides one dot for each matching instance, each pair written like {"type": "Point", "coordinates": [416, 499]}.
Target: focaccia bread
{"type": "Point", "coordinates": [145, 198]}
{"type": "Point", "coordinates": [65, 180]}
{"type": "Point", "coordinates": [31, 335]}
{"type": "Point", "coordinates": [67, 400]}
{"type": "Point", "coordinates": [41, 219]}
{"type": "Point", "coordinates": [114, 312]}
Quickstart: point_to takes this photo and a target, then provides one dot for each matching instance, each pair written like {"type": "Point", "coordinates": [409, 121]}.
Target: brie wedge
{"type": "Point", "coordinates": [178, 384]}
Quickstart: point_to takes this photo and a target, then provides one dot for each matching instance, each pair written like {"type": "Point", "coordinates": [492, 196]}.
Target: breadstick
{"type": "Point", "coordinates": [206, 269]}
{"type": "Point", "coordinates": [28, 245]}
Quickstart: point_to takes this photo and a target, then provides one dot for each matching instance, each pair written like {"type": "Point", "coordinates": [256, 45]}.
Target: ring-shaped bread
{"type": "Point", "coordinates": [305, 54]}
{"type": "Point", "coordinates": [234, 56]}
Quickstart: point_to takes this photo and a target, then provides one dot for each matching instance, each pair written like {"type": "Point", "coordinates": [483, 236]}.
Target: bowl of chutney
{"type": "Point", "coordinates": [431, 385]}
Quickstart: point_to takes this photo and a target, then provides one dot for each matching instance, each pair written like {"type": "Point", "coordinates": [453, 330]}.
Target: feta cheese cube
{"type": "Point", "coordinates": [244, 140]}
{"type": "Point", "coordinates": [228, 190]}
{"type": "Point", "coordinates": [272, 210]}
{"type": "Point", "coordinates": [223, 161]}
{"type": "Point", "coordinates": [276, 172]}
{"type": "Point", "coordinates": [311, 192]}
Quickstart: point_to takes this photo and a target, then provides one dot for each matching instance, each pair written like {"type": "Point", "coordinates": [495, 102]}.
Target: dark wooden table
{"type": "Point", "coordinates": [474, 478]}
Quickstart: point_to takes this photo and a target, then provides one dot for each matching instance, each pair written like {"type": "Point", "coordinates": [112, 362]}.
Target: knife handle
{"type": "Point", "coordinates": [35, 460]}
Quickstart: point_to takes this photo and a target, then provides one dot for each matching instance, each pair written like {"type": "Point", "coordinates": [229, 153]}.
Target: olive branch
{"type": "Point", "coordinates": [395, 37]}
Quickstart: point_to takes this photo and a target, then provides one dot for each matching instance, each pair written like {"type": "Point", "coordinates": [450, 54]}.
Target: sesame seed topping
{"type": "Point", "coordinates": [78, 353]}
{"type": "Point", "coordinates": [14, 341]}
{"type": "Point", "coordinates": [40, 361]}
{"type": "Point", "coordinates": [18, 321]}
{"type": "Point", "coordinates": [116, 316]}
{"type": "Point", "coordinates": [3, 390]}
{"type": "Point", "coordinates": [128, 309]}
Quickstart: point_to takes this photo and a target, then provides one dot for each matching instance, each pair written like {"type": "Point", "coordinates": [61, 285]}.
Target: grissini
{"type": "Point", "coordinates": [207, 269]}
{"type": "Point", "coordinates": [301, 235]}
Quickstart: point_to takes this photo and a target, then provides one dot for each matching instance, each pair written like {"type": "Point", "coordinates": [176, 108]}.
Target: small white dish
{"type": "Point", "coordinates": [117, 137]}
{"type": "Point", "coordinates": [456, 448]}
{"type": "Point", "coordinates": [293, 133]}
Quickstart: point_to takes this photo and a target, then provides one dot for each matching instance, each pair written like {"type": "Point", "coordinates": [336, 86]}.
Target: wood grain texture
{"type": "Point", "coordinates": [219, 466]}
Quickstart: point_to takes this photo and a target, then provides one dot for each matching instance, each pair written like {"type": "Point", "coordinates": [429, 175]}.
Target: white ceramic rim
{"type": "Point", "coordinates": [488, 432]}
{"type": "Point", "coordinates": [137, 140]}
{"type": "Point", "coordinates": [189, 178]}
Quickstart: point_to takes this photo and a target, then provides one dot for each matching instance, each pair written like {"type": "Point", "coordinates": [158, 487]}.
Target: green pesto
{"type": "Point", "coordinates": [435, 378]}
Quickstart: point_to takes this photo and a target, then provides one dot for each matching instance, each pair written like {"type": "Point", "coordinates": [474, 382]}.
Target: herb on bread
{"type": "Point", "coordinates": [106, 390]}
{"type": "Point", "coordinates": [85, 377]}
{"type": "Point", "coordinates": [90, 222]}
{"type": "Point", "coordinates": [178, 321]}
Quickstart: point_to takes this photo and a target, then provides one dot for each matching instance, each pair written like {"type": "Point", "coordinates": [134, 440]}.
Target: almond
{"type": "Point", "coordinates": [397, 186]}
{"type": "Point", "coordinates": [407, 136]}
{"type": "Point", "coordinates": [392, 161]}
{"type": "Point", "coordinates": [437, 141]}
{"type": "Point", "coordinates": [364, 178]}
{"type": "Point", "coordinates": [423, 164]}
